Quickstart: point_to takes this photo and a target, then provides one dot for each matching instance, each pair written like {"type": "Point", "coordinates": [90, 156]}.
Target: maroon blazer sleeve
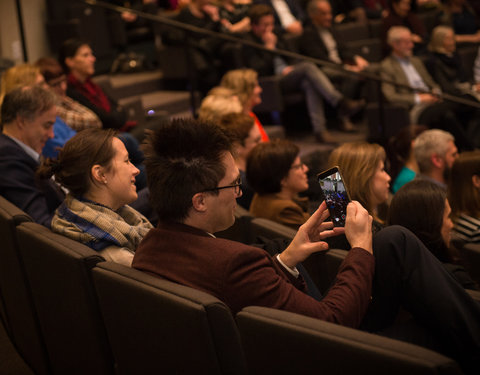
{"type": "Point", "coordinates": [253, 278]}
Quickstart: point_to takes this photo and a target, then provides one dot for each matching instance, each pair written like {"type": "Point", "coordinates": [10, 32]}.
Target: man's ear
{"type": "Point", "coordinates": [437, 161]}
{"type": "Point", "coordinates": [98, 174]}
{"type": "Point", "coordinates": [20, 122]}
{"type": "Point", "coordinates": [199, 202]}
{"type": "Point", "coordinates": [476, 181]}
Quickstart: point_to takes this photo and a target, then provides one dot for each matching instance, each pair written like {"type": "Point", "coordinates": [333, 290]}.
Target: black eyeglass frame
{"type": "Point", "coordinates": [237, 186]}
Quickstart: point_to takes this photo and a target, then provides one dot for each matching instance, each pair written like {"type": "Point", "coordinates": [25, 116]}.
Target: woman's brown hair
{"type": "Point", "coordinates": [75, 160]}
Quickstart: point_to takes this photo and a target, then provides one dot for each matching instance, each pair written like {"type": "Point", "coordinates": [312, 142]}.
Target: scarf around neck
{"type": "Point", "coordinates": [98, 226]}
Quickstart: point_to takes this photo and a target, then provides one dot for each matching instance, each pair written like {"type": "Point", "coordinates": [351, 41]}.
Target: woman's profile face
{"type": "Point", "coordinates": [120, 178]}
{"type": "Point", "coordinates": [380, 185]}
{"type": "Point", "coordinates": [256, 97]}
{"type": "Point", "coordinates": [296, 180]}
{"type": "Point", "coordinates": [447, 224]}
{"type": "Point", "coordinates": [449, 42]}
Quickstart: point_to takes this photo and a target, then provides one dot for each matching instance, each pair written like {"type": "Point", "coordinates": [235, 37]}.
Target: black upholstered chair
{"type": "Point", "coordinates": [18, 313]}
{"type": "Point", "coordinates": [471, 258]}
{"type": "Point", "coordinates": [158, 327]}
{"type": "Point", "coordinates": [280, 342]}
{"type": "Point", "coordinates": [58, 271]}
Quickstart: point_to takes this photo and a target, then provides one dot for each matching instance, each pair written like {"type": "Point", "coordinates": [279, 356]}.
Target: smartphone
{"type": "Point", "coordinates": [335, 195]}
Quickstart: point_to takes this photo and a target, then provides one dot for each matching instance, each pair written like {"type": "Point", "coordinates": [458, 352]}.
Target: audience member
{"type": "Point", "coordinates": [219, 102]}
{"type": "Point", "coordinates": [435, 152]}
{"type": "Point", "coordinates": [277, 175]}
{"type": "Point", "coordinates": [362, 166]}
{"type": "Point", "coordinates": [288, 15]}
{"type": "Point", "coordinates": [194, 183]}
{"type": "Point", "coordinates": [417, 88]}
{"type": "Point", "coordinates": [422, 207]}
{"type": "Point", "coordinates": [28, 115]}
{"type": "Point", "coordinates": [303, 76]}
{"type": "Point", "coordinates": [244, 136]}
{"type": "Point", "coordinates": [245, 84]}
{"type": "Point", "coordinates": [95, 168]}
{"type": "Point", "coordinates": [403, 166]}
{"type": "Point", "coordinates": [464, 196]}
{"type": "Point", "coordinates": [28, 75]}
{"type": "Point", "coordinates": [234, 16]}
{"type": "Point", "coordinates": [78, 60]}
{"type": "Point", "coordinates": [318, 41]}
{"type": "Point", "coordinates": [461, 17]}
{"type": "Point", "coordinates": [400, 14]}
{"type": "Point", "coordinates": [76, 115]}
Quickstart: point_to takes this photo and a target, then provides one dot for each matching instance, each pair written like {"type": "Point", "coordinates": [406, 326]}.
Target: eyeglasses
{"type": "Point", "coordinates": [236, 185]}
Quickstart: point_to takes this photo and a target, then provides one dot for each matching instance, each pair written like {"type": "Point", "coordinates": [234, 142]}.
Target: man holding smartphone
{"type": "Point", "coordinates": [194, 184]}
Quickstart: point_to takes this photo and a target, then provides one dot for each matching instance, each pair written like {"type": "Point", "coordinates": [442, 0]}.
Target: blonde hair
{"type": "Point", "coordinates": [358, 162]}
{"type": "Point", "coordinates": [219, 102]}
{"type": "Point", "coordinates": [437, 38]}
{"type": "Point", "coordinates": [18, 76]}
{"type": "Point", "coordinates": [242, 82]}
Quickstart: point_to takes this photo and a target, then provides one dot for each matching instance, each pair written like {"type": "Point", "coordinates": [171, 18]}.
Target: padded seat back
{"type": "Point", "coordinates": [18, 313]}
{"type": "Point", "coordinates": [159, 327]}
{"type": "Point", "coordinates": [269, 336]}
{"type": "Point", "coordinates": [58, 271]}
{"type": "Point", "coordinates": [347, 32]}
{"type": "Point", "coordinates": [470, 253]}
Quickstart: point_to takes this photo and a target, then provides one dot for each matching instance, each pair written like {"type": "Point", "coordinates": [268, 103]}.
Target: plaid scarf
{"type": "Point", "coordinates": [98, 226]}
{"type": "Point", "coordinates": [91, 91]}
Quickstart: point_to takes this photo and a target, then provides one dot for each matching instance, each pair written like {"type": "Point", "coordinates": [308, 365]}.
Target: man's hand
{"type": "Point", "coordinates": [427, 98]}
{"type": "Point", "coordinates": [309, 238]}
{"type": "Point", "coordinates": [358, 226]}
{"type": "Point", "coordinates": [295, 28]}
{"type": "Point", "coordinates": [269, 39]}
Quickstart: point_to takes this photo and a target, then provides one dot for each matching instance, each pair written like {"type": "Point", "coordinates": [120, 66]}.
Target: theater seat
{"type": "Point", "coordinates": [158, 327]}
{"type": "Point", "coordinates": [18, 314]}
{"type": "Point", "coordinates": [279, 342]}
{"type": "Point", "coordinates": [58, 271]}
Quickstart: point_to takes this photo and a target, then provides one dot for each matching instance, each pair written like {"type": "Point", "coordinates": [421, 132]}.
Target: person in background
{"type": "Point", "coordinates": [234, 16]}
{"type": "Point", "coordinates": [95, 168]}
{"type": "Point", "coordinates": [28, 75]}
{"type": "Point", "coordinates": [459, 15]}
{"type": "Point", "coordinates": [244, 135]}
{"type": "Point", "coordinates": [422, 207]}
{"type": "Point", "coordinates": [219, 102]}
{"type": "Point", "coordinates": [464, 196]}
{"type": "Point", "coordinates": [28, 115]}
{"type": "Point", "coordinates": [403, 165]}
{"type": "Point", "coordinates": [244, 82]}
{"type": "Point", "coordinates": [277, 175]}
{"type": "Point", "coordinates": [76, 115]}
{"type": "Point", "coordinates": [435, 152]}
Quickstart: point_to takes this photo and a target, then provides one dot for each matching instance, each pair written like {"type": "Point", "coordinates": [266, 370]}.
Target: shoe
{"type": "Point", "coordinates": [347, 126]}
{"type": "Point", "coordinates": [348, 107]}
{"type": "Point", "coordinates": [326, 138]}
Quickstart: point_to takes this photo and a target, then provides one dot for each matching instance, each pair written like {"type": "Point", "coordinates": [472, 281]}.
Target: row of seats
{"type": "Point", "coordinates": [67, 311]}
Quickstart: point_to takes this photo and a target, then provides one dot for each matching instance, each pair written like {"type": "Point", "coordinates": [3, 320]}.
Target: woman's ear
{"type": "Point", "coordinates": [98, 174]}
{"type": "Point", "coordinates": [199, 202]}
{"type": "Point", "coordinates": [68, 62]}
{"type": "Point", "coordinates": [476, 181]}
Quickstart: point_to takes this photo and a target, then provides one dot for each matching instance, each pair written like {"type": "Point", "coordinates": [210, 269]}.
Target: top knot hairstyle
{"type": "Point", "coordinates": [183, 157]}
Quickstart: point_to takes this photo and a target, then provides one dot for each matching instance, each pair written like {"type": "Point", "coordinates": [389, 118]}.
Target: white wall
{"type": "Point", "coordinates": [34, 20]}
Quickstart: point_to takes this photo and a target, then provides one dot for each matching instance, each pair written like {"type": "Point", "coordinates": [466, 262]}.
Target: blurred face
{"type": "Point", "coordinates": [265, 25]}
{"type": "Point", "coordinates": [253, 139]}
{"type": "Point", "coordinates": [120, 177]}
{"type": "Point", "coordinates": [221, 207]}
{"type": "Point", "coordinates": [451, 155]}
{"type": "Point", "coordinates": [449, 42]}
{"type": "Point", "coordinates": [402, 7]}
{"type": "Point", "coordinates": [37, 131]}
{"type": "Point", "coordinates": [82, 65]}
{"type": "Point", "coordinates": [296, 180]}
{"type": "Point", "coordinates": [403, 46]}
{"type": "Point", "coordinates": [323, 16]}
{"type": "Point", "coordinates": [380, 185]}
{"type": "Point", "coordinates": [59, 85]}
{"type": "Point", "coordinates": [447, 224]}
{"type": "Point", "coordinates": [256, 98]}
